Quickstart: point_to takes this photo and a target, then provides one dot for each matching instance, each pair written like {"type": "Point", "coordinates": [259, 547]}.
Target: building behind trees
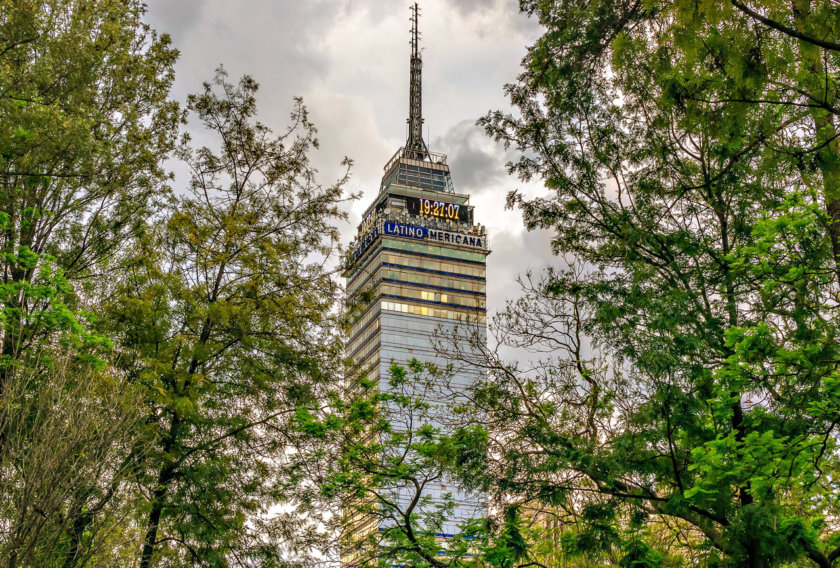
{"type": "Point", "coordinates": [417, 275]}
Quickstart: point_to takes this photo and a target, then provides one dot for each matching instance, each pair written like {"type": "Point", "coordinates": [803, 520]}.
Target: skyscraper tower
{"type": "Point", "coordinates": [420, 256]}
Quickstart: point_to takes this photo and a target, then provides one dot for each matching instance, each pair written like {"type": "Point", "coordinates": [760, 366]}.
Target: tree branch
{"type": "Point", "coordinates": [786, 29]}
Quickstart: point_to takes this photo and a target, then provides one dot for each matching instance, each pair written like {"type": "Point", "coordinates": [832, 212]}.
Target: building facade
{"type": "Point", "coordinates": [417, 267]}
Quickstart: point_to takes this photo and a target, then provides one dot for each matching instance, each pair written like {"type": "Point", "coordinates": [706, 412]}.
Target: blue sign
{"type": "Point", "coordinates": [365, 242]}
{"type": "Point", "coordinates": [410, 231]}
{"type": "Point", "coordinates": [415, 232]}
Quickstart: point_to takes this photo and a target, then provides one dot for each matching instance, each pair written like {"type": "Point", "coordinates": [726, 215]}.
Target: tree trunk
{"type": "Point", "coordinates": [829, 164]}
{"type": "Point", "coordinates": [166, 474]}
{"type": "Point", "coordinates": [150, 541]}
{"type": "Point", "coordinates": [74, 551]}
{"type": "Point", "coordinates": [828, 150]}
{"type": "Point", "coordinates": [755, 559]}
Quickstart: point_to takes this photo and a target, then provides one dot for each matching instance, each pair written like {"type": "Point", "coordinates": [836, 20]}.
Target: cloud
{"type": "Point", "coordinates": [262, 38]}
{"type": "Point", "coordinates": [174, 18]}
{"type": "Point", "coordinates": [514, 254]}
{"type": "Point", "coordinates": [495, 17]}
{"type": "Point", "coordinates": [347, 127]}
{"type": "Point", "coordinates": [467, 8]}
{"type": "Point", "coordinates": [478, 163]}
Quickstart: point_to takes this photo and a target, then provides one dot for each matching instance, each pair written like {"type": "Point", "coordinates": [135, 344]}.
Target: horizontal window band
{"type": "Point", "coordinates": [432, 271]}
{"type": "Point", "coordinates": [453, 266]}
{"type": "Point", "coordinates": [364, 314]}
{"type": "Point", "coordinates": [368, 257]}
{"type": "Point", "coordinates": [459, 290]}
{"type": "Point", "coordinates": [363, 345]}
{"type": "Point", "coordinates": [423, 295]}
{"type": "Point", "coordinates": [435, 256]}
{"type": "Point", "coordinates": [432, 302]}
{"type": "Point", "coordinates": [482, 295]}
{"type": "Point", "coordinates": [369, 365]}
{"type": "Point", "coordinates": [432, 311]}
{"type": "Point", "coordinates": [364, 282]}
{"type": "Point", "coordinates": [371, 270]}
{"type": "Point", "coordinates": [360, 332]}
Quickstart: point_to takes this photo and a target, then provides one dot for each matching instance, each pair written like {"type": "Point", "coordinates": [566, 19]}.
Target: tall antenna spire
{"type": "Point", "coordinates": [415, 147]}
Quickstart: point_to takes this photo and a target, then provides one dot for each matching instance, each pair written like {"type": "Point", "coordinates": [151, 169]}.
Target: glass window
{"type": "Point", "coordinates": [465, 300]}
{"type": "Point", "coordinates": [434, 280]}
{"type": "Point", "coordinates": [431, 311]}
{"type": "Point", "coordinates": [455, 268]}
{"type": "Point", "coordinates": [455, 254]}
{"type": "Point", "coordinates": [363, 336]}
{"type": "Point", "coordinates": [366, 350]}
{"type": "Point", "coordinates": [364, 319]}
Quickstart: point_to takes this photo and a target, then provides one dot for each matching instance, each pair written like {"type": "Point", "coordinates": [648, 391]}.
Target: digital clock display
{"type": "Point", "coordinates": [439, 209]}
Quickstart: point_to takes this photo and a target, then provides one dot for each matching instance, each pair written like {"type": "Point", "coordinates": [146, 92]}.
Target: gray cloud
{"type": "Point", "coordinates": [493, 18]}
{"type": "Point", "coordinates": [514, 254]}
{"type": "Point", "coordinates": [174, 18]}
{"type": "Point", "coordinates": [478, 163]}
{"type": "Point", "coordinates": [469, 7]}
{"type": "Point", "coordinates": [262, 38]}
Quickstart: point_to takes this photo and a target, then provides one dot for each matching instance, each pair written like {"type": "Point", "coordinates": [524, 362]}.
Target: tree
{"type": "Point", "coordinates": [386, 450]}
{"type": "Point", "coordinates": [86, 123]}
{"type": "Point", "coordinates": [226, 319]}
{"type": "Point", "coordinates": [690, 153]}
{"type": "Point", "coordinates": [62, 467]}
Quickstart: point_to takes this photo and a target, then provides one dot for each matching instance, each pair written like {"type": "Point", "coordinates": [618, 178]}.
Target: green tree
{"type": "Point", "coordinates": [690, 153]}
{"type": "Point", "coordinates": [388, 449]}
{"type": "Point", "coordinates": [84, 125]}
{"type": "Point", "coordinates": [225, 318]}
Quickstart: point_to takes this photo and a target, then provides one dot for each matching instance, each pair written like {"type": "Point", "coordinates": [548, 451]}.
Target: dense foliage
{"type": "Point", "coordinates": [86, 121]}
{"type": "Point", "coordinates": [155, 343]}
{"type": "Point", "coordinates": [689, 397]}
{"type": "Point", "coordinates": [389, 449]}
{"type": "Point", "coordinates": [224, 317]}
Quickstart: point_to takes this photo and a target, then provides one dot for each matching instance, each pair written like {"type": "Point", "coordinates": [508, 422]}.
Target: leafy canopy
{"type": "Point", "coordinates": [690, 153]}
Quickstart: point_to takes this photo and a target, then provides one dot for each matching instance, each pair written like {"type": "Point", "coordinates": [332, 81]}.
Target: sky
{"type": "Point", "coordinates": [349, 60]}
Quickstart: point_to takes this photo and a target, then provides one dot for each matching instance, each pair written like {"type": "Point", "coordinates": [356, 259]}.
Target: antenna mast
{"type": "Point", "coordinates": [415, 147]}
